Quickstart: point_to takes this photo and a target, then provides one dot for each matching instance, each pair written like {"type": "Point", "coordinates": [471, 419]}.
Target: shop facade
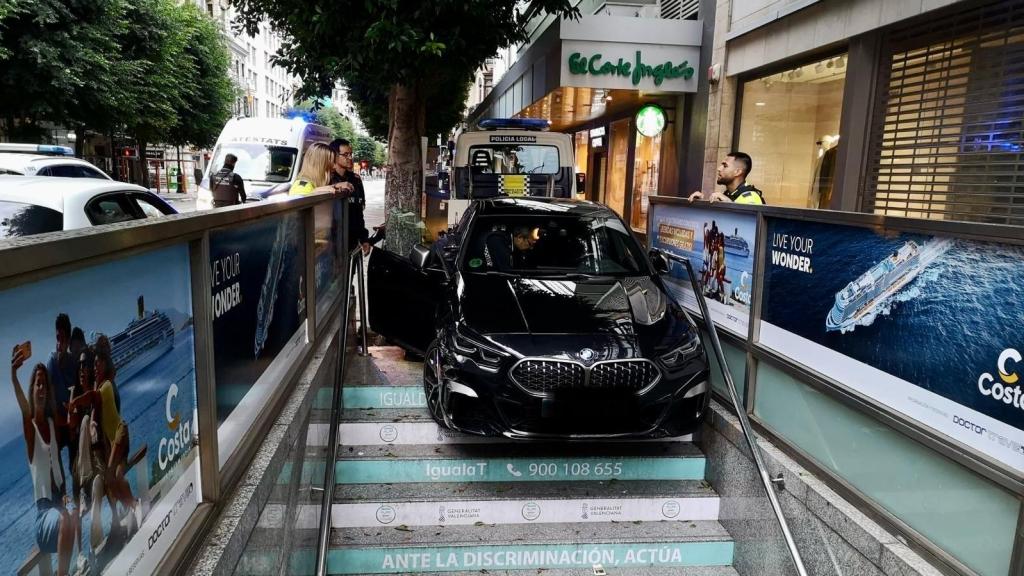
{"type": "Point", "coordinates": [624, 99]}
{"type": "Point", "coordinates": [900, 108]}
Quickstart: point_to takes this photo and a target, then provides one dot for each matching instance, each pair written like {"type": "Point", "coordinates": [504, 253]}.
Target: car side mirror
{"type": "Point", "coordinates": [659, 261]}
{"type": "Point", "coordinates": [419, 256]}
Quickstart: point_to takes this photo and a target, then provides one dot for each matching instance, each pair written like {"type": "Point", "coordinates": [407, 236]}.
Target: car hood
{"type": "Point", "coordinates": [604, 305]}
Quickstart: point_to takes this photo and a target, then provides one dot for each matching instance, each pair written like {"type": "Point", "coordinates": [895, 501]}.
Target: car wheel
{"type": "Point", "coordinates": [433, 382]}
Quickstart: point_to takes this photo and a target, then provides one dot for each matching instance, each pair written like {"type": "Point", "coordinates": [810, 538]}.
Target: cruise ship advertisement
{"type": "Point", "coordinates": [720, 247]}
{"type": "Point", "coordinates": [101, 369]}
{"type": "Point", "coordinates": [929, 326]}
{"type": "Point", "coordinates": [258, 301]}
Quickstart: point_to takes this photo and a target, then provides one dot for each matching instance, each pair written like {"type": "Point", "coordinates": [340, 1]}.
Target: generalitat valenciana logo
{"type": "Point", "coordinates": [1006, 389]}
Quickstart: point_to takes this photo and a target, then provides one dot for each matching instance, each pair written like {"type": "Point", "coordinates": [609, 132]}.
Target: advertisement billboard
{"type": "Point", "coordinates": [926, 325]}
{"type": "Point", "coordinates": [259, 300]}
{"type": "Point", "coordinates": [720, 247]}
{"type": "Point", "coordinates": [99, 416]}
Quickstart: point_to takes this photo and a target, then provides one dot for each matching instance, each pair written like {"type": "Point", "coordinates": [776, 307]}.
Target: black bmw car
{"type": "Point", "coordinates": [543, 318]}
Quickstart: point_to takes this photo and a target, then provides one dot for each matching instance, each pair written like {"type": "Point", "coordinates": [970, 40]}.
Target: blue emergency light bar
{"type": "Point", "coordinates": [514, 124]}
{"type": "Point", "coordinates": [60, 150]}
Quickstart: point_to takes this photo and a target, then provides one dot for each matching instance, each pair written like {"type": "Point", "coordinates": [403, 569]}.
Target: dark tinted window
{"type": "Point", "coordinates": [548, 244]}
{"type": "Point", "coordinates": [17, 219]}
{"type": "Point", "coordinates": [110, 209]}
{"type": "Point", "coordinates": [71, 171]}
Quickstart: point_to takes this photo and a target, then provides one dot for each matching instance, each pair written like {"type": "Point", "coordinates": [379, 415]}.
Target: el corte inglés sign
{"type": "Point", "coordinates": [636, 70]}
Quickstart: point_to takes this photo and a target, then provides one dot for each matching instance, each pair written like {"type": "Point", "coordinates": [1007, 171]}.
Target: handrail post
{"type": "Point", "coordinates": [741, 413]}
{"type": "Point", "coordinates": [364, 314]}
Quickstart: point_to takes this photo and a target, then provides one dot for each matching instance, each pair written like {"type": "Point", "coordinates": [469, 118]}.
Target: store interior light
{"type": "Point", "coordinates": [841, 62]}
{"type": "Point", "coordinates": [758, 103]}
{"type": "Point", "coordinates": [819, 68]}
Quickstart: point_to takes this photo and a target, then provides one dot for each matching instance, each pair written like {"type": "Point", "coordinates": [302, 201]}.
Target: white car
{"type": "Point", "coordinates": [36, 204]}
{"type": "Point", "coordinates": [20, 164]}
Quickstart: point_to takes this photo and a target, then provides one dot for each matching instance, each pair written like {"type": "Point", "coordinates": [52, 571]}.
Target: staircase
{"type": "Point", "coordinates": [414, 498]}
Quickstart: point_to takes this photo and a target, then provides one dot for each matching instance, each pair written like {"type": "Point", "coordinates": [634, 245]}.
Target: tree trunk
{"type": "Point", "coordinates": [404, 185]}
{"type": "Point", "coordinates": [142, 163]}
{"type": "Point", "coordinates": [114, 171]}
{"type": "Point", "coordinates": [79, 141]}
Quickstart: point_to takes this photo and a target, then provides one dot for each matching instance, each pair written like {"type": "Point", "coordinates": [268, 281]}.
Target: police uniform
{"type": "Point", "coordinates": [746, 194]}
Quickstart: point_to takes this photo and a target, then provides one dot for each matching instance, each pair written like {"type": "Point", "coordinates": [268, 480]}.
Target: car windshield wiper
{"type": "Point", "coordinates": [572, 276]}
{"type": "Point", "coordinates": [498, 273]}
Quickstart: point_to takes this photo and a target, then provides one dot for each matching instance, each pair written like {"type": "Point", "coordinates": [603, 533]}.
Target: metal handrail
{"type": "Point", "coordinates": [355, 258]}
{"type": "Point", "coordinates": [741, 413]}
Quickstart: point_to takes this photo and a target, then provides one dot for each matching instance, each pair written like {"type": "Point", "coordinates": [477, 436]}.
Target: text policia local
{"type": "Point", "coordinates": [225, 270]}
{"type": "Point", "coordinates": [788, 250]}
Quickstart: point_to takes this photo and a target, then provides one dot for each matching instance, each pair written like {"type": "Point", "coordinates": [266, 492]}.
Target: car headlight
{"type": "Point", "coordinates": [682, 353]}
{"type": "Point", "coordinates": [471, 346]}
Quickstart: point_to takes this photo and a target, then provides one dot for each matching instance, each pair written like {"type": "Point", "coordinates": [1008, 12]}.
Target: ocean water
{"type": "Point", "coordinates": [940, 332]}
{"type": "Point", "coordinates": [142, 407]}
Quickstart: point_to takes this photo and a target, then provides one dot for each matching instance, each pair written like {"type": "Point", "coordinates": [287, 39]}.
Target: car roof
{"type": "Point", "coordinates": [50, 191]}
{"type": "Point", "coordinates": [522, 206]}
{"type": "Point", "coordinates": [18, 161]}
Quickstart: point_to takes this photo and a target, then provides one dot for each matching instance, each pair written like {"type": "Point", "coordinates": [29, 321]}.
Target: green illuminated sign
{"type": "Point", "coordinates": [636, 71]}
{"type": "Point", "coordinates": [650, 120]}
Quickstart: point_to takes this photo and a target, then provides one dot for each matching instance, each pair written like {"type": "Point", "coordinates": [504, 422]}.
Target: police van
{"type": "Point", "coordinates": [269, 152]}
{"type": "Point", "coordinates": [510, 157]}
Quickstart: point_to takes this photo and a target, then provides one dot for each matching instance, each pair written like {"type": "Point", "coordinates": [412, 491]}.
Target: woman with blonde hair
{"type": "Point", "coordinates": [315, 174]}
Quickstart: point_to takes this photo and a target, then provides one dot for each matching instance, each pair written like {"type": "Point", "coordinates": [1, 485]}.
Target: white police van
{"type": "Point", "coordinates": [510, 157]}
{"type": "Point", "coordinates": [269, 152]}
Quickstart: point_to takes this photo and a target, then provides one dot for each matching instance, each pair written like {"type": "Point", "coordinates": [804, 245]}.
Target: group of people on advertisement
{"type": "Point", "coordinates": [72, 408]}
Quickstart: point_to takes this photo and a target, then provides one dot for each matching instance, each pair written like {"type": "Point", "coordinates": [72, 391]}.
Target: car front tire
{"type": "Point", "coordinates": [433, 382]}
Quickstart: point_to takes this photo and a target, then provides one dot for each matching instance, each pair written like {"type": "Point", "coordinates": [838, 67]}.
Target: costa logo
{"type": "Point", "coordinates": [1007, 389]}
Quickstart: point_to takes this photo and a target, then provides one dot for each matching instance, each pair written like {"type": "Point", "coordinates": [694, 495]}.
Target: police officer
{"type": "Point", "coordinates": [732, 173]}
{"type": "Point", "coordinates": [227, 187]}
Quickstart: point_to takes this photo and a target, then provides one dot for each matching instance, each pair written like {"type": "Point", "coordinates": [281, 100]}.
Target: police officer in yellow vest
{"type": "Point", "coordinates": [732, 173]}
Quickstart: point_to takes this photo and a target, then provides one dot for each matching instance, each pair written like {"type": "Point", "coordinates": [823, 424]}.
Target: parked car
{"type": "Point", "coordinates": [36, 204]}
{"type": "Point", "coordinates": [543, 318]}
{"type": "Point", "coordinates": [60, 166]}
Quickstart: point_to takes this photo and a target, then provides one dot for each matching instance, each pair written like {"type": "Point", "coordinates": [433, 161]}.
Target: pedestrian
{"type": "Point", "coordinates": [732, 173]}
{"type": "Point", "coordinates": [344, 175]}
{"type": "Point", "coordinates": [315, 173]}
{"type": "Point", "coordinates": [226, 185]}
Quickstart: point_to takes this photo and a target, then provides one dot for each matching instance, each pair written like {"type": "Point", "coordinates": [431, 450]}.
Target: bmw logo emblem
{"type": "Point", "coordinates": [587, 354]}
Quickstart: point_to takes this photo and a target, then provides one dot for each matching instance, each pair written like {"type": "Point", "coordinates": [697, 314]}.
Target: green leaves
{"type": "Point", "coordinates": [152, 67]}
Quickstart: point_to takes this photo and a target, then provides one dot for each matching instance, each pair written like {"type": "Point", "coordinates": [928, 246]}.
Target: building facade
{"type": "Point", "coordinates": [265, 90]}
{"type": "Point", "coordinates": [592, 77]}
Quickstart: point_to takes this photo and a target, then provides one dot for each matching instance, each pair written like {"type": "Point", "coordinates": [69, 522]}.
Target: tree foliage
{"type": "Point", "coordinates": [407, 53]}
{"type": "Point", "coordinates": [327, 116]}
{"type": "Point", "coordinates": [151, 68]}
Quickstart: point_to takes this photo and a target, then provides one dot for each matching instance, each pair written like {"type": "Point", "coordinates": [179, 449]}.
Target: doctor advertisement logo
{"type": "Point", "coordinates": [923, 324]}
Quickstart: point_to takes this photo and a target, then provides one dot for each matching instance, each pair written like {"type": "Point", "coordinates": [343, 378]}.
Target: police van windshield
{"type": "Point", "coordinates": [513, 159]}
{"type": "Point", "coordinates": [258, 162]}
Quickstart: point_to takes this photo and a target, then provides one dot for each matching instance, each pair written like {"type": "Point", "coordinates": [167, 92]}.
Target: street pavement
{"type": "Point", "coordinates": [373, 215]}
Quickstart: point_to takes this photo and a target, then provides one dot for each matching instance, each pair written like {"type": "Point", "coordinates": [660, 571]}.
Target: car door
{"type": "Point", "coordinates": [403, 300]}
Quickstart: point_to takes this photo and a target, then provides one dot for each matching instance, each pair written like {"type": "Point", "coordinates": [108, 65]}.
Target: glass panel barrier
{"type": "Point", "coordinates": [966, 515]}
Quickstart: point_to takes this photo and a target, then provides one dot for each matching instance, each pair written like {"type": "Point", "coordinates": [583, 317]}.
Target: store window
{"type": "Point", "coordinates": [645, 178]}
{"type": "Point", "coordinates": [615, 193]}
{"type": "Point", "coordinates": [789, 124]}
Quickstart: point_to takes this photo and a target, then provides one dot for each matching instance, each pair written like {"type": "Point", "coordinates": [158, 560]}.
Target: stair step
{"type": "Point", "coordinates": [529, 547]}
{"type": "Point", "coordinates": [433, 492]}
{"type": "Point", "coordinates": [368, 427]}
{"type": "Point", "coordinates": [520, 462]}
{"type": "Point", "coordinates": [664, 571]}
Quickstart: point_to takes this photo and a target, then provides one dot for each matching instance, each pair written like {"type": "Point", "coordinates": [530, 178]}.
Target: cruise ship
{"type": "Point", "coordinates": [268, 293]}
{"type": "Point", "coordinates": [147, 337]}
{"type": "Point", "coordinates": [874, 286]}
{"type": "Point", "coordinates": [737, 245]}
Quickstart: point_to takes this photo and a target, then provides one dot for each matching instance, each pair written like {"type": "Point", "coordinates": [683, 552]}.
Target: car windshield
{"type": "Point", "coordinates": [258, 162]}
{"type": "Point", "coordinates": [553, 245]}
{"type": "Point", "coordinates": [513, 159]}
{"type": "Point", "coordinates": [18, 219]}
